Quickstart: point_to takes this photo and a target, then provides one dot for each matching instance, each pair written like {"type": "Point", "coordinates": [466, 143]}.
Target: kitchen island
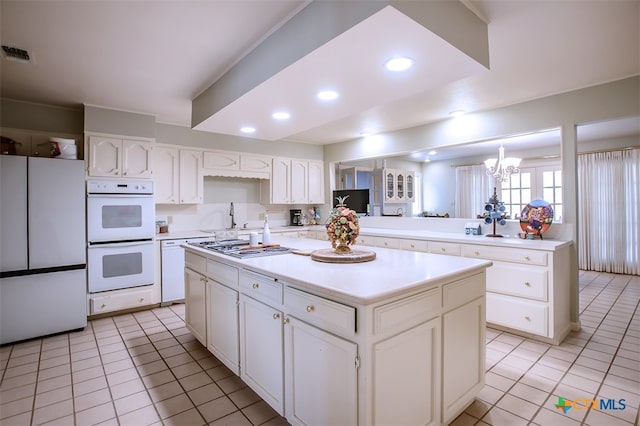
{"type": "Point", "coordinates": [398, 340]}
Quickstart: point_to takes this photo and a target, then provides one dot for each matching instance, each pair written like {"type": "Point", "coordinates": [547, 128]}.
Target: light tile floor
{"type": "Point", "coordinates": [146, 368]}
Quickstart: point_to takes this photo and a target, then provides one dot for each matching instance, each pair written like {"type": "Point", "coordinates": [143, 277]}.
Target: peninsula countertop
{"type": "Point", "coordinates": [392, 273]}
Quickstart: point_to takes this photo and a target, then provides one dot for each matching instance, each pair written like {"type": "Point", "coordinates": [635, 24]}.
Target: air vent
{"type": "Point", "coordinates": [16, 54]}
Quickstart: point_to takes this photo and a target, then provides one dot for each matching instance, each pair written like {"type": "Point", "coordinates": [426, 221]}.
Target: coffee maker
{"type": "Point", "coordinates": [296, 217]}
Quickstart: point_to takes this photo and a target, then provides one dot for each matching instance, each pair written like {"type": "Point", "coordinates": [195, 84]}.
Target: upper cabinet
{"type": "Point", "coordinates": [115, 157]}
{"type": "Point", "coordinates": [235, 164]}
{"type": "Point", "coordinates": [178, 177]}
{"type": "Point", "coordinates": [399, 185]}
{"type": "Point", "coordinates": [295, 181]}
{"type": "Point", "coordinates": [36, 144]}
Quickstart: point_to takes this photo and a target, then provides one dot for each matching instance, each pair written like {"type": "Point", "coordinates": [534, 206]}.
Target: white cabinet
{"type": "Point", "coordinates": [222, 324]}
{"type": "Point", "coordinates": [116, 157]}
{"type": "Point", "coordinates": [261, 343]}
{"type": "Point", "coordinates": [167, 177]}
{"type": "Point", "coordinates": [191, 182]}
{"type": "Point", "coordinates": [178, 178]}
{"type": "Point", "coordinates": [236, 164]}
{"type": "Point", "coordinates": [295, 181]}
{"type": "Point", "coordinates": [321, 376]}
{"type": "Point", "coordinates": [195, 304]}
{"type": "Point", "coordinates": [399, 185]}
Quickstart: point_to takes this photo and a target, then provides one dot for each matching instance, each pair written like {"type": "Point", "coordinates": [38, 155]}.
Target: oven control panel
{"type": "Point", "coordinates": [119, 187]}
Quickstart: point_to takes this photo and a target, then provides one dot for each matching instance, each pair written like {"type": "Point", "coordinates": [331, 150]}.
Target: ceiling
{"type": "Point", "coordinates": [157, 57]}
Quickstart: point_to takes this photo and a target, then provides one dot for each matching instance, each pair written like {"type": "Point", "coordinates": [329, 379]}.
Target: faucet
{"type": "Point", "coordinates": [232, 214]}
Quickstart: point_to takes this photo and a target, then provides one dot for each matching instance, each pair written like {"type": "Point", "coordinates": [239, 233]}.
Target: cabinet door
{"type": "Point", "coordinates": [316, 182]}
{"type": "Point", "coordinates": [299, 182]}
{"type": "Point", "coordinates": [405, 370]}
{"type": "Point", "coordinates": [261, 345]}
{"type": "Point", "coordinates": [463, 356]}
{"type": "Point", "coordinates": [255, 163]}
{"type": "Point", "coordinates": [321, 376]}
{"type": "Point", "coordinates": [281, 181]}
{"type": "Point", "coordinates": [221, 160]}
{"type": "Point", "coordinates": [105, 157]}
{"type": "Point", "coordinates": [136, 159]}
{"type": "Point", "coordinates": [390, 185]}
{"type": "Point", "coordinates": [222, 324]}
{"type": "Point", "coordinates": [411, 195]}
{"type": "Point", "coordinates": [400, 182]}
{"type": "Point", "coordinates": [191, 182]}
{"type": "Point", "coordinates": [195, 304]}
{"type": "Point", "coordinates": [167, 177]}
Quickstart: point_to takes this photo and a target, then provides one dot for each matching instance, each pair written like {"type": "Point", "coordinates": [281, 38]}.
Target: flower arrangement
{"type": "Point", "coordinates": [342, 226]}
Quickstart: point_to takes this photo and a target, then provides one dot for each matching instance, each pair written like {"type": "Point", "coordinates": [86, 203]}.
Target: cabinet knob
{"type": "Point", "coordinates": [527, 283]}
{"type": "Point", "coordinates": [255, 285]}
{"type": "Point", "coordinates": [412, 246]}
{"type": "Point", "coordinates": [310, 308]}
{"type": "Point", "coordinates": [104, 305]}
{"type": "Point", "coordinates": [477, 253]}
{"type": "Point", "coordinates": [527, 258]}
{"type": "Point", "coordinates": [203, 279]}
{"type": "Point", "coordinates": [285, 321]}
{"type": "Point", "coordinates": [443, 249]}
{"type": "Point", "coordinates": [528, 318]}
{"type": "Point", "coordinates": [141, 299]}
{"type": "Point", "coordinates": [276, 315]}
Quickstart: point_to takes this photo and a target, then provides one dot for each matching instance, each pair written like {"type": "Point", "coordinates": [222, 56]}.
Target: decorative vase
{"type": "Point", "coordinates": [342, 227]}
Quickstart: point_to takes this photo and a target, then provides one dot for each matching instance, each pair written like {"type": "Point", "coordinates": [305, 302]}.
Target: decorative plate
{"type": "Point", "coordinates": [536, 217]}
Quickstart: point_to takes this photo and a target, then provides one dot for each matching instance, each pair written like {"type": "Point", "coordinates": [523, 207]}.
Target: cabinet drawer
{"type": "Point", "coordinates": [413, 245]}
{"type": "Point", "coordinates": [516, 280]}
{"type": "Point", "coordinates": [261, 287]}
{"type": "Point", "coordinates": [364, 240]}
{"type": "Point", "coordinates": [195, 262]}
{"type": "Point", "coordinates": [387, 242]}
{"type": "Point", "coordinates": [406, 313]}
{"type": "Point", "coordinates": [116, 302]}
{"type": "Point", "coordinates": [524, 315]}
{"type": "Point", "coordinates": [439, 247]}
{"type": "Point", "coordinates": [462, 291]}
{"type": "Point", "coordinates": [319, 311]}
{"type": "Point", "coordinates": [222, 273]}
{"type": "Point", "coordinates": [505, 254]}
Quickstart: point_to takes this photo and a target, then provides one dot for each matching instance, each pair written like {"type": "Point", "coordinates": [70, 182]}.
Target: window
{"type": "Point", "coordinates": [516, 192]}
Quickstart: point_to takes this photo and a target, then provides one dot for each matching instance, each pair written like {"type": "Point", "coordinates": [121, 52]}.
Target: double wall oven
{"type": "Point", "coordinates": [120, 231]}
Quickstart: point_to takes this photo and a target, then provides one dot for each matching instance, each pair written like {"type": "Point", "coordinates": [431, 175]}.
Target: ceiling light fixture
{"type": "Point", "coordinates": [432, 152]}
{"type": "Point", "coordinates": [248, 129]}
{"type": "Point", "coordinates": [502, 168]}
{"type": "Point", "coordinates": [400, 63]}
{"type": "Point", "coordinates": [328, 95]}
{"type": "Point", "coordinates": [281, 115]}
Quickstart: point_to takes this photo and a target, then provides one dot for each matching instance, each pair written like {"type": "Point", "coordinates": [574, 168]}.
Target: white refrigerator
{"type": "Point", "coordinates": [43, 282]}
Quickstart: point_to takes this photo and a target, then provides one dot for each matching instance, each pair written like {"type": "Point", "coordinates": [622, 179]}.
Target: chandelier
{"type": "Point", "coordinates": [502, 168]}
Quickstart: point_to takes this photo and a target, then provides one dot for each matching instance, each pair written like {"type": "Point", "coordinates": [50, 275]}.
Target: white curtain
{"type": "Point", "coordinates": [473, 189]}
{"type": "Point", "coordinates": [609, 211]}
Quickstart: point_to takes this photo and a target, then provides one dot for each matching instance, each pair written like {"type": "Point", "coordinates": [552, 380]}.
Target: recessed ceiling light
{"type": "Point", "coordinates": [328, 95]}
{"type": "Point", "coordinates": [457, 113]}
{"type": "Point", "coordinates": [432, 152]}
{"type": "Point", "coordinates": [281, 115]}
{"type": "Point", "coordinates": [248, 129]}
{"type": "Point", "coordinates": [400, 63]}
{"type": "Point", "coordinates": [426, 160]}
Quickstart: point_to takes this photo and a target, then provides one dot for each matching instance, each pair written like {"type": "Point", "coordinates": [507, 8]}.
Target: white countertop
{"type": "Point", "coordinates": [392, 273]}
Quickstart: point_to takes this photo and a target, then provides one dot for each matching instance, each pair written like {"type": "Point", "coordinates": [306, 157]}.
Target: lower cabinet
{"type": "Point", "coordinates": [195, 304]}
{"type": "Point", "coordinates": [321, 376]}
{"type": "Point", "coordinates": [405, 370]}
{"type": "Point", "coordinates": [222, 324]}
{"type": "Point", "coordinates": [261, 346]}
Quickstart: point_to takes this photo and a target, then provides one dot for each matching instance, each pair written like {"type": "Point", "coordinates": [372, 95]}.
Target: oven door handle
{"type": "Point", "coordinates": [96, 195]}
{"type": "Point", "coordinates": [120, 244]}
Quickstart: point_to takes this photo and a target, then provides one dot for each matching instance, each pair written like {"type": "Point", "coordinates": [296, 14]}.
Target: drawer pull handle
{"type": "Point", "coordinates": [104, 305]}
{"type": "Point", "coordinates": [477, 253]}
{"type": "Point", "coordinates": [527, 283]}
{"type": "Point", "coordinates": [310, 308]}
{"type": "Point", "coordinates": [528, 318]}
{"type": "Point", "coordinates": [255, 285]}
{"type": "Point", "coordinates": [412, 246]}
{"type": "Point", "coordinates": [141, 299]}
{"type": "Point", "coordinates": [527, 258]}
{"type": "Point", "coordinates": [276, 315]}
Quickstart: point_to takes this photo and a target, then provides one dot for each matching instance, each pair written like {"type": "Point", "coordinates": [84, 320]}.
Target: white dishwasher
{"type": "Point", "coordinates": [172, 263]}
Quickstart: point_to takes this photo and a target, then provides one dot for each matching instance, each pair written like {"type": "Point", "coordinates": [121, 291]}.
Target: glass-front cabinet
{"type": "Point", "coordinates": [411, 195]}
{"type": "Point", "coordinates": [390, 185]}
{"type": "Point", "coordinates": [400, 195]}
{"type": "Point", "coordinates": [399, 186]}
